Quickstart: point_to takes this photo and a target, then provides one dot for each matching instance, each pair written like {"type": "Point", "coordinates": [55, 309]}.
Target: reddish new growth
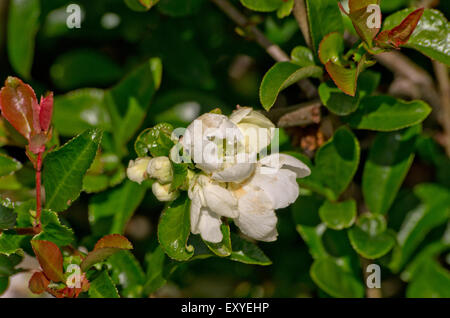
{"type": "Point", "coordinates": [20, 107]}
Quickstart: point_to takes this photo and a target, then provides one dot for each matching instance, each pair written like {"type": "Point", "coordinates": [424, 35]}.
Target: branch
{"type": "Point", "coordinates": [272, 49]}
{"type": "Point", "coordinates": [441, 71]}
{"type": "Point", "coordinates": [298, 115]}
{"type": "Point", "coordinates": [402, 66]}
{"type": "Point", "coordinates": [301, 16]}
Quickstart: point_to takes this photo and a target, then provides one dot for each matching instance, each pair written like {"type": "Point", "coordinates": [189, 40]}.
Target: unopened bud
{"type": "Point", "coordinates": [137, 169]}
{"type": "Point", "coordinates": [162, 192]}
{"type": "Point", "coordinates": [160, 168]}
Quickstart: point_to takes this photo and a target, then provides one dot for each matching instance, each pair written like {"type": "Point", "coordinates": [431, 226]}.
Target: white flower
{"type": "Point", "coordinates": [214, 143]}
{"type": "Point", "coordinates": [137, 169]}
{"type": "Point", "coordinates": [160, 168]}
{"type": "Point", "coordinates": [209, 201]}
{"type": "Point", "coordinates": [162, 192]}
{"type": "Point", "coordinates": [272, 186]}
{"type": "Point", "coordinates": [256, 128]}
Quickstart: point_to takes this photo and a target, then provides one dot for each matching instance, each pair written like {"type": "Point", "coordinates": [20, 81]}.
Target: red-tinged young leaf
{"type": "Point", "coordinates": [46, 111]}
{"type": "Point", "coordinates": [401, 34]}
{"type": "Point", "coordinates": [104, 248]}
{"type": "Point", "coordinates": [113, 240]}
{"type": "Point", "coordinates": [355, 5]}
{"type": "Point", "coordinates": [331, 48]}
{"type": "Point", "coordinates": [50, 258]}
{"type": "Point", "coordinates": [17, 103]}
{"type": "Point", "coordinates": [38, 283]}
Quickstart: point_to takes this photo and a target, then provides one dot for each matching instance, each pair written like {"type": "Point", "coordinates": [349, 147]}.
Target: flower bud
{"type": "Point", "coordinates": [160, 168]}
{"type": "Point", "coordinates": [137, 169]}
{"type": "Point", "coordinates": [162, 192]}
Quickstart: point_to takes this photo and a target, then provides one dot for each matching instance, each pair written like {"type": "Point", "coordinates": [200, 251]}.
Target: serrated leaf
{"type": "Point", "coordinates": [280, 76]}
{"type": "Point", "coordinates": [23, 23]}
{"type": "Point", "coordinates": [223, 248]}
{"type": "Point", "coordinates": [386, 113]}
{"type": "Point", "coordinates": [53, 230]}
{"type": "Point", "coordinates": [330, 276]}
{"type": "Point", "coordinates": [262, 5]}
{"type": "Point", "coordinates": [10, 243]}
{"type": "Point", "coordinates": [65, 167]}
{"type": "Point", "coordinates": [7, 215]}
{"type": "Point", "coordinates": [8, 264]}
{"type": "Point", "coordinates": [389, 160]}
{"type": "Point", "coordinates": [430, 37]}
{"type": "Point", "coordinates": [105, 247]}
{"type": "Point", "coordinates": [246, 252]}
{"type": "Point", "coordinates": [320, 27]}
{"type": "Point", "coordinates": [174, 229]}
{"type": "Point", "coordinates": [335, 165]}
{"type": "Point", "coordinates": [110, 211]}
{"type": "Point", "coordinates": [50, 258]}
{"type": "Point", "coordinates": [155, 141]}
{"type": "Point", "coordinates": [103, 287]}
{"type": "Point", "coordinates": [338, 215]}
{"type": "Point", "coordinates": [8, 165]}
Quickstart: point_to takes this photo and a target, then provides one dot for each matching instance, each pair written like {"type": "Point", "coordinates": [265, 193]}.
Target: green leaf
{"type": "Point", "coordinates": [285, 9]}
{"type": "Point", "coordinates": [335, 165]}
{"type": "Point", "coordinates": [154, 141]}
{"type": "Point", "coordinates": [8, 264]}
{"type": "Point", "coordinates": [331, 48]}
{"type": "Point", "coordinates": [8, 165]}
{"type": "Point", "coordinates": [104, 248]}
{"type": "Point", "coordinates": [65, 167]}
{"type": "Point", "coordinates": [135, 91]}
{"type": "Point", "coordinates": [80, 110]}
{"type": "Point", "coordinates": [385, 113]}
{"type": "Point", "coordinates": [433, 282]}
{"type": "Point", "coordinates": [174, 229]}
{"type": "Point", "coordinates": [429, 253]}
{"type": "Point", "coordinates": [103, 287]}
{"type": "Point", "coordinates": [53, 230]}
{"type": "Point", "coordinates": [433, 25]}
{"type": "Point", "coordinates": [320, 27]}
{"type": "Point", "coordinates": [178, 8]}
{"type": "Point", "coordinates": [434, 211]}
{"type": "Point", "coordinates": [370, 246]}
{"type": "Point", "coordinates": [389, 160]}
{"type": "Point", "coordinates": [7, 215]}
{"type": "Point", "coordinates": [222, 249]}
{"type": "Point", "coordinates": [280, 76]}
{"type": "Point", "coordinates": [4, 284]}
{"type": "Point", "coordinates": [159, 268]}
{"type": "Point", "coordinates": [302, 56]}
{"type": "Point", "coordinates": [50, 258]}
{"type": "Point", "coordinates": [110, 211]}
{"type": "Point", "coordinates": [262, 5]}
{"type": "Point", "coordinates": [360, 15]}
{"type": "Point", "coordinates": [337, 101]}
{"type": "Point", "coordinates": [10, 243]}
{"type": "Point", "coordinates": [338, 215]}
{"type": "Point", "coordinates": [83, 68]}
{"type": "Point", "coordinates": [127, 272]}
{"type": "Point", "coordinates": [180, 172]}
{"type": "Point", "coordinates": [23, 23]}
{"type": "Point", "coordinates": [330, 276]}
{"type": "Point", "coordinates": [246, 252]}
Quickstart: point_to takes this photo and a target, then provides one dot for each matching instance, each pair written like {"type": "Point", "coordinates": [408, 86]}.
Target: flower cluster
{"type": "Point", "coordinates": [232, 175]}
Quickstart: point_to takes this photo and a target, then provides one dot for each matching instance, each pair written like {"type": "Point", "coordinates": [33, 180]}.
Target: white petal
{"type": "Point", "coordinates": [220, 200]}
{"type": "Point", "coordinates": [234, 173]}
{"type": "Point", "coordinates": [195, 211]}
{"type": "Point", "coordinates": [256, 219]}
{"type": "Point", "coordinates": [209, 226]}
{"type": "Point", "coordinates": [282, 187]}
{"type": "Point", "coordinates": [279, 160]}
{"type": "Point", "coordinates": [240, 114]}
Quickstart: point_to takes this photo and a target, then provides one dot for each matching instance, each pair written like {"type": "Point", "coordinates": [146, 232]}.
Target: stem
{"type": "Point", "coordinates": [301, 16]}
{"type": "Point", "coordinates": [38, 189]}
{"type": "Point", "coordinates": [272, 49]}
{"type": "Point", "coordinates": [444, 88]}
